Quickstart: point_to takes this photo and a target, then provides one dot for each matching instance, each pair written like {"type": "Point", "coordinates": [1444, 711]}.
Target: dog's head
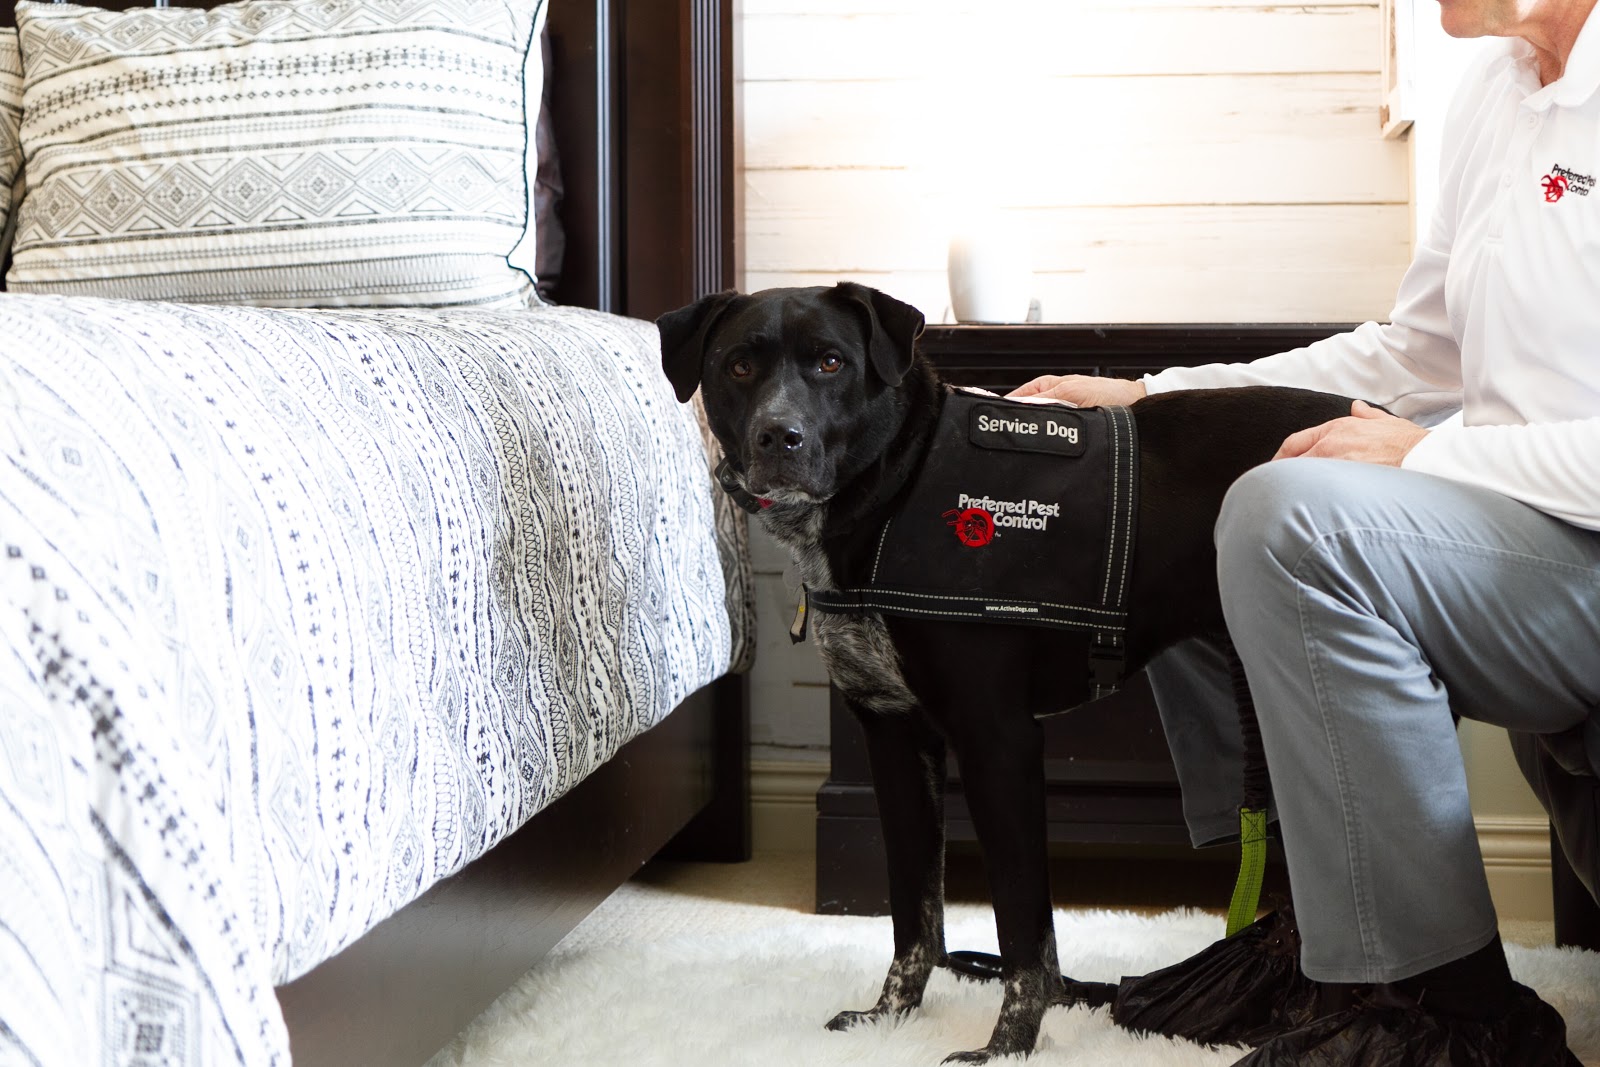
{"type": "Point", "coordinates": [800, 385]}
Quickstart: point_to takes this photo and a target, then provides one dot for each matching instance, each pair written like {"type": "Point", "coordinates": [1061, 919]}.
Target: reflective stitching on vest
{"type": "Point", "coordinates": [1072, 607]}
{"type": "Point", "coordinates": [1124, 473]}
{"type": "Point", "coordinates": [1123, 420]}
{"type": "Point", "coordinates": [882, 537]}
{"type": "Point", "coordinates": [1116, 469]}
{"type": "Point", "coordinates": [904, 609]}
{"type": "Point", "coordinates": [848, 593]}
{"type": "Point", "coordinates": [1126, 418]}
{"type": "Point", "coordinates": [1101, 637]}
{"type": "Point", "coordinates": [908, 609]}
{"type": "Point", "coordinates": [1119, 533]}
{"type": "Point", "coordinates": [1127, 534]}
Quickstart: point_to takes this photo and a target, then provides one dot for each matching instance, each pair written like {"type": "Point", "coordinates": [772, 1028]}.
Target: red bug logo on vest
{"type": "Point", "coordinates": [974, 526]}
{"type": "Point", "coordinates": [1561, 181]}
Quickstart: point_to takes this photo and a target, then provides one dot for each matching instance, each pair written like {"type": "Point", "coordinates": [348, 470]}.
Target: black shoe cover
{"type": "Point", "coordinates": [1239, 991]}
{"type": "Point", "coordinates": [1390, 1030]}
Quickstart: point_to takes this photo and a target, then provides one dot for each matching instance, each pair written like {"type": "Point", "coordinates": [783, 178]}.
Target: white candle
{"type": "Point", "coordinates": [991, 276]}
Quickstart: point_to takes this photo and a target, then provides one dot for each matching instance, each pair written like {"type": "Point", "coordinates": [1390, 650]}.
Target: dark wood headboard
{"type": "Point", "coordinates": [646, 124]}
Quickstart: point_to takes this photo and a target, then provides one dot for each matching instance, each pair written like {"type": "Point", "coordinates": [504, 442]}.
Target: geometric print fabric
{"type": "Point", "coordinates": [310, 153]}
{"type": "Point", "coordinates": [301, 612]}
{"type": "Point", "coordinates": [10, 126]}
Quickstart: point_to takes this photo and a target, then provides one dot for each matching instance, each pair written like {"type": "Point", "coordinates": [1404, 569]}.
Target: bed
{"type": "Point", "coordinates": [353, 646]}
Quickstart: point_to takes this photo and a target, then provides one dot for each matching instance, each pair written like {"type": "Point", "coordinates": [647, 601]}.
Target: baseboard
{"type": "Point", "coordinates": [1516, 857]}
{"type": "Point", "coordinates": [1516, 848]}
{"type": "Point", "coordinates": [783, 803]}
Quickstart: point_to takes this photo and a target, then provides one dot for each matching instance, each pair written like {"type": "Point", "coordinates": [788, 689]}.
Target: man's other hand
{"type": "Point", "coordinates": [1366, 435]}
{"type": "Point", "coordinates": [1080, 390]}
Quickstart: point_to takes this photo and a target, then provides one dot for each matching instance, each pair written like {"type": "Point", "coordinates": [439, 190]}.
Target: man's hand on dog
{"type": "Point", "coordinates": [1080, 390]}
{"type": "Point", "coordinates": [1367, 435]}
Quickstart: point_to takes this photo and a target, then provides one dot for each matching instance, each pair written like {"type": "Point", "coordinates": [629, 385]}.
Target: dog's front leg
{"type": "Point", "coordinates": [908, 776]}
{"type": "Point", "coordinates": [1001, 757]}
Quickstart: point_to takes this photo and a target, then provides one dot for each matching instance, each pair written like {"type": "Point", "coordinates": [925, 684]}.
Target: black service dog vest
{"type": "Point", "coordinates": [1021, 514]}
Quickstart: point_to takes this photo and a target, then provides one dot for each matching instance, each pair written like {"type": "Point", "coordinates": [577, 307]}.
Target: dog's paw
{"type": "Point", "coordinates": [846, 1020]}
{"type": "Point", "coordinates": [977, 1055]}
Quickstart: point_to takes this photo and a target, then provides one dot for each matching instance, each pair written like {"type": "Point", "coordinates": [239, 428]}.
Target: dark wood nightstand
{"type": "Point", "coordinates": [1108, 774]}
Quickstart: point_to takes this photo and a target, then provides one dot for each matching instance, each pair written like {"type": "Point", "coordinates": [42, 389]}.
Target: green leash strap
{"type": "Point", "coordinates": [1252, 866]}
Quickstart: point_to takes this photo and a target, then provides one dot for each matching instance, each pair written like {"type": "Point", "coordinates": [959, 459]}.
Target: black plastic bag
{"type": "Point", "coordinates": [1249, 990]}
{"type": "Point", "coordinates": [1238, 991]}
{"type": "Point", "coordinates": [1389, 1031]}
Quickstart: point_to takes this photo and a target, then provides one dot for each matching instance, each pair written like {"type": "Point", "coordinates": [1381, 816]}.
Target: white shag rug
{"type": "Point", "coordinates": [759, 996]}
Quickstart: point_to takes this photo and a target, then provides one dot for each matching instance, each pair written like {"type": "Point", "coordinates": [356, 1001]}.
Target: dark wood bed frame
{"type": "Point", "coordinates": [646, 123]}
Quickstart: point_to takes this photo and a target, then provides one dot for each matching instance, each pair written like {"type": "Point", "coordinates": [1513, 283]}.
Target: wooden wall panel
{"type": "Point", "coordinates": [1268, 139]}
{"type": "Point", "coordinates": [1082, 39]}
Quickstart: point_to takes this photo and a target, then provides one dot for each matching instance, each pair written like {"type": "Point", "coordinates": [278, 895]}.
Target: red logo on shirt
{"type": "Point", "coordinates": [974, 526]}
{"type": "Point", "coordinates": [1563, 180]}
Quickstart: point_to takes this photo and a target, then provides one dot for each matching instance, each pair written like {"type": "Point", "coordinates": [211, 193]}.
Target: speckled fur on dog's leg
{"type": "Point", "coordinates": [1028, 993]}
{"type": "Point", "coordinates": [908, 974]}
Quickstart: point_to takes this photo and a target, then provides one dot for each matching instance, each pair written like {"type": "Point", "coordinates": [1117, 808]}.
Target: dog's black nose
{"type": "Point", "coordinates": [778, 437]}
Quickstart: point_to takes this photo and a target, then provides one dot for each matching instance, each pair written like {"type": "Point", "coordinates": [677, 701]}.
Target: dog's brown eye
{"type": "Point", "coordinates": [740, 368]}
{"type": "Point", "coordinates": [831, 362]}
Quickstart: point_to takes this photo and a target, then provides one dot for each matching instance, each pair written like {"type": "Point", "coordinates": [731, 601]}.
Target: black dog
{"type": "Point", "coordinates": [825, 412]}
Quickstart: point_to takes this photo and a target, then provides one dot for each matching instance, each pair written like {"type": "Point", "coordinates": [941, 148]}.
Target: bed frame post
{"type": "Point", "coordinates": [683, 243]}
{"type": "Point", "coordinates": [717, 141]}
{"type": "Point", "coordinates": [585, 106]}
{"type": "Point", "coordinates": [648, 139]}
{"type": "Point", "coordinates": [680, 213]}
{"type": "Point", "coordinates": [721, 832]}
{"type": "Point", "coordinates": [680, 205]}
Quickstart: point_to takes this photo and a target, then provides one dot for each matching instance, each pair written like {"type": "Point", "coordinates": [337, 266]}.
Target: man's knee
{"type": "Point", "coordinates": [1274, 512]}
{"type": "Point", "coordinates": [1278, 512]}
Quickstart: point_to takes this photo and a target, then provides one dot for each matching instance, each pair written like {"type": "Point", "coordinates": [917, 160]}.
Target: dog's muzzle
{"type": "Point", "coordinates": [728, 478]}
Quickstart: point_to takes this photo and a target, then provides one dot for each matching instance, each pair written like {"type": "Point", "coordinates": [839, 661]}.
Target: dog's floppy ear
{"type": "Point", "coordinates": [894, 329]}
{"type": "Point", "coordinates": [683, 340]}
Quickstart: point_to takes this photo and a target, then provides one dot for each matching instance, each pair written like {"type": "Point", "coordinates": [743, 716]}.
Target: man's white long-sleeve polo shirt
{"type": "Point", "coordinates": [1498, 315]}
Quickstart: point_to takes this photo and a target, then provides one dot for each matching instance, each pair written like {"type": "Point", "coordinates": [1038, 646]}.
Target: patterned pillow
{"type": "Point", "coordinates": [301, 153]}
{"type": "Point", "coordinates": [10, 121]}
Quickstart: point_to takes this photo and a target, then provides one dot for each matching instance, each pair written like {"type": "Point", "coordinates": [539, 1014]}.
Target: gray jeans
{"type": "Point", "coordinates": [1367, 603]}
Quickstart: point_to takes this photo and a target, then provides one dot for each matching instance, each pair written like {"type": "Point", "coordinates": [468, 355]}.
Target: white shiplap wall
{"type": "Point", "coordinates": [1171, 160]}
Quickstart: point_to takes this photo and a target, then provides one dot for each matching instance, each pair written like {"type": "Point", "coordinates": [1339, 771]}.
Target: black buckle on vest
{"type": "Point", "coordinates": [730, 485]}
{"type": "Point", "coordinates": [1107, 667]}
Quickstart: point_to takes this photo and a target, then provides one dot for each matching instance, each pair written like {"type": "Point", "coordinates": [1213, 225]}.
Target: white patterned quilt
{"type": "Point", "coordinates": [299, 613]}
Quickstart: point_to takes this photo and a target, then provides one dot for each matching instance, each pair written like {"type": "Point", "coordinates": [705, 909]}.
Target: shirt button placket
{"type": "Point", "coordinates": [1521, 149]}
